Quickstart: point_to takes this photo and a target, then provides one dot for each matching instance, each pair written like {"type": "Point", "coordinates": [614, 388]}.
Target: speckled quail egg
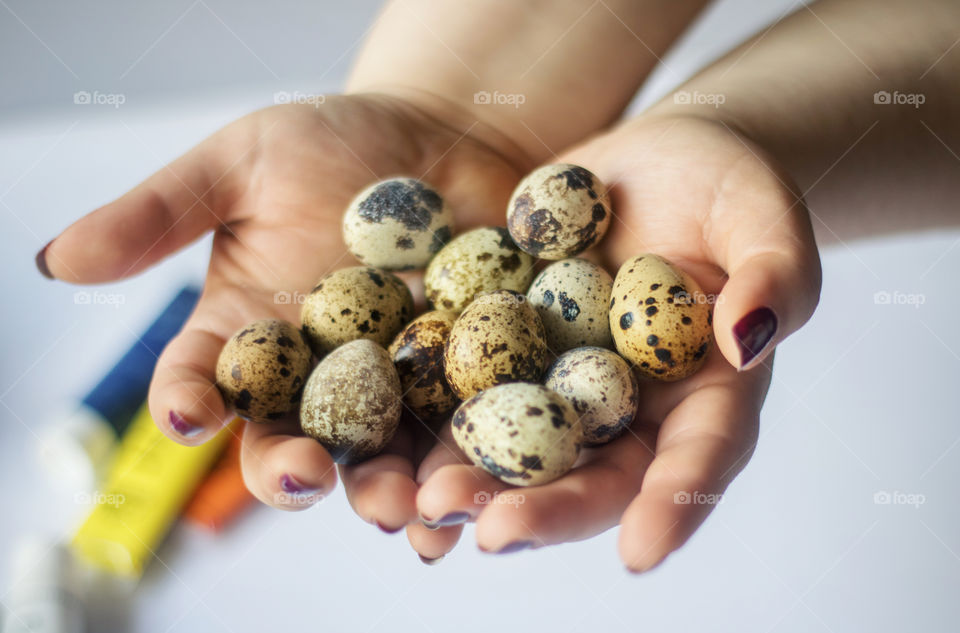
{"type": "Point", "coordinates": [558, 211]}
{"type": "Point", "coordinates": [478, 261]}
{"type": "Point", "coordinates": [417, 354]}
{"type": "Point", "coordinates": [660, 319]}
{"type": "Point", "coordinates": [351, 402]}
{"type": "Point", "coordinates": [521, 433]}
{"type": "Point", "coordinates": [498, 339]}
{"type": "Point", "coordinates": [397, 224]}
{"type": "Point", "coordinates": [352, 303]}
{"type": "Point", "coordinates": [602, 389]}
{"type": "Point", "coordinates": [572, 297]}
{"type": "Point", "coordinates": [262, 369]}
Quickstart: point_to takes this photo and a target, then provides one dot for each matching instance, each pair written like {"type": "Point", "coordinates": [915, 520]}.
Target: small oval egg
{"type": "Point", "coordinates": [353, 303]}
{"type": "Point", "coordinates": [558, 211]}
{"type": "Point", "coordinates": [572, 297]}
{"type": "Point", "coordinates": [397, 224]}
{"type": "Point", "coordinates": [478, 261]}
{"type": "Point", "coordinates": [262, 369]}
{"type": "Point", "coordinates": [660, 319]}
{"type": "Point", "coordinates": [498, 339]}
{"type": "Point", "coordinates": [602, 389]}
{"type": "Point", "coordinates": [521, 433]}
{"type": "Point", "coordinates": [351, 402]}
{"type": "Point", "coordinates": [417, 353]}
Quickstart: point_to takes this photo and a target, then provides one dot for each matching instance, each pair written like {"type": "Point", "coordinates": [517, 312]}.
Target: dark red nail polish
{"type": "Point", "coordinates": [430, 561]}
{"type": "Point", "coordinates": [754, 332]}
{"type": "Point", "coordinates": [41, 260]}
{"type": "Point", "coordinates": [387, 529]}
{"type": "Point", "coordinates": [454, 518]}
{"type": "Point", "coordinates": [182, 427]}
{"type": "Point", "coordinates": [291, 486]}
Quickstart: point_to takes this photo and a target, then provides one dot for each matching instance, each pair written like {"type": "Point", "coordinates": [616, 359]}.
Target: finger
{"type": "Point", "coordinates": [443, 451]}
{"type": "Point", "coordinates": [433, 545]}
{"type": "Point", "coordinates": [173, 207]}
{"type": "Point", "coordinates": [285, 470]}
{"type": "Point", "coordinates": [701, 446]}
{"type": "Point", "coordinates": [455, 494]}
{"type": "Point", "coordinates": [381, 490]}
{"type": "Point", "coordinates": [769, 252]}
{"type": "Point", "coordinates": [583, 503]}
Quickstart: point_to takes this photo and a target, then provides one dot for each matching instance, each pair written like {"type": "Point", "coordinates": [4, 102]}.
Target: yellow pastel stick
{"type": "Point", "coordinates": [150, 479]}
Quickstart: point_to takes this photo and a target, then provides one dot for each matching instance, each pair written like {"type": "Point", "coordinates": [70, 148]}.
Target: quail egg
{"type": "Point", "coordinates": [397, 224]}
{"type": "Point", "coordinates": [478, 261]}
{"type": "Point", "coordinates": [351, 402]}
{"type": "Point", "coordinates": [572, 297]}
{"type": "Point", "coordinates": [262, 369]}
{"type": "Point", "coordinates": [660, 319]}
{"type": "Point", "coordinates": [352, 303]}
{"type": "Point", "coordinates": [521, 433]}
{"type": "Point", "coordinates": [417, 354]}
{"type": "Point", "coordinates": [602, 389]}
{"type": "Point", "coordinates": [558, 211]}
{"type": "Point", "coordinates": [497, 339]}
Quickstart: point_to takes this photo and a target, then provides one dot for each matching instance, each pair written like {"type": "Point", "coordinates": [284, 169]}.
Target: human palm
{"type": "Point", "coordinates": [273, 186]}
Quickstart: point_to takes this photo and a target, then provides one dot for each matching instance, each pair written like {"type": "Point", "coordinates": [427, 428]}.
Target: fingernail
{"type": "Point", "coordinates": [430, 561]}
{"type": "Point", "coordinates": [41, 260]}
{"type": "Point", "coordinates": [290, 485]}
{"type": "Point", "coordinates": [753, 333]}
{"type": "Point", "coordinates": [388, 530]}
{"type": "Point", "coordinates": [182, 427]}
{"type": "Point", "coordinates": [454, 518]}
{"type": "Point", "coordinates": [636, 571]}
{"type": "Point", "coordinates": [516, 546]}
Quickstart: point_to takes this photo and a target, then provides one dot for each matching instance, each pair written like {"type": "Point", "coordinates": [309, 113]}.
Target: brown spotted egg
{"type": "Point", "coordinates": [660, 319]}
{"type": "Point", "coordinates": [521, 433]}
{"type": "Point", "coordinates": [397, 224]}
{"type": "Point", "coordinates": [262, 369]}
{"type": "Point", "coordinates": [572, 297]}
{"type": "Point", "coordinates": [417, 354]}
{"type": "Point", "coordinates": [478, 261]}
{"type": "Point", "coordinates": [602, 389]}
{"type": "Point", "coordinates": [352, 303]}
{"type": "Point", "coordinates": [558, 211]}
{"type": "Point", "coordinates": [498, 339]}
{"type": "Point", "coordinates": [351, 402]}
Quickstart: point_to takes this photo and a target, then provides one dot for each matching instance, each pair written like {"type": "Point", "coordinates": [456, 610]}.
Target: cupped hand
{"type": "Point", "coordinates": [708, 199]}
{"type": "Point", "coordinates": [273, 186]}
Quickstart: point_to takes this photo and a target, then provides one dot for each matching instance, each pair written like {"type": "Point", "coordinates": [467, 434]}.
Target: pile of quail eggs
{"type": "Point", "coordinates": [527, 366]}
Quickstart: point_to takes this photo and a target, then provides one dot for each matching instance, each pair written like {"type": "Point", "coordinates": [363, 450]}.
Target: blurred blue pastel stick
{"type": "Point", "coordinates": [76, 448]}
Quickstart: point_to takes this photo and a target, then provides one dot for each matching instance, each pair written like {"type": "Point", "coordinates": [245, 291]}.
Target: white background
{"type": "Point", "coordinates": [864, 398]}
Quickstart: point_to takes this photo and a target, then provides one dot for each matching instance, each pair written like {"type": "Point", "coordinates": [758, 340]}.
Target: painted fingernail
{"type": "Point", "coordinates": [387, 529]}
{"type": "Point", "coordinates": [290, 485]}
{"type": "Point", "coordinates": [41, 260]}
{"type": "Point", "coordinates": [182, 427]}
{"type": "Point", "coordinates": [430, 561]}
{"type": "Point", "coordinates": [516, 546]}
{"type": "Point", "coordinates": [753, 333]}
{"type": "Point", "coordinates": [454, 518]}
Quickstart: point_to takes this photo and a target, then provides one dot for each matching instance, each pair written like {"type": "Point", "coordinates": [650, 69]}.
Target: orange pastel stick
{"type": "Point", "coordinates": [222, 496]}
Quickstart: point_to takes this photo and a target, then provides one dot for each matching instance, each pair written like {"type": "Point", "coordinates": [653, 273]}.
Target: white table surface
{"type": "Point", "coordinates": [864, 400]}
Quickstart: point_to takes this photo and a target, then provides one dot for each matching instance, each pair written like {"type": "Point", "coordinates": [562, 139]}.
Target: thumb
{"type": "Point", "coordinates": [172, 208]}
{"type": "Point", "coordinates": [774, 273]}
